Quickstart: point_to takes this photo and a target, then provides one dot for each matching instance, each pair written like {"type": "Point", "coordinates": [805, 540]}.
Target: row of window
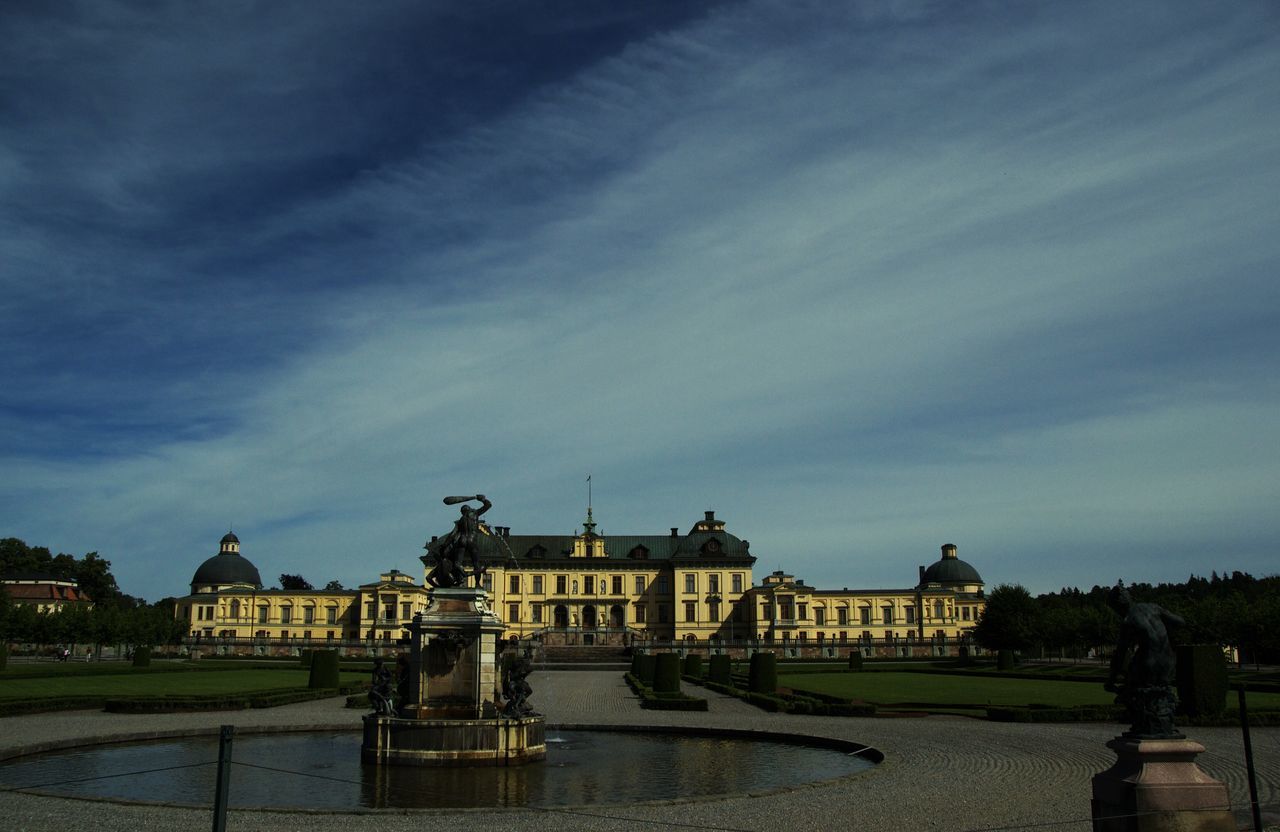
{"type": "Point", "coordinates": [615, 584]}
{"type": "Point", "coordinates": [787, 612]}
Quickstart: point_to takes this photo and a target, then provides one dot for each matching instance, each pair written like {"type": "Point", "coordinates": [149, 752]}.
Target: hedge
{"type": "Point", "coordinates": [1202, 679]}
{"type": "Point", "coordinates": [664, 701]}
{"type": "Point", "coordinates": [324, 670]}
{"type": "Point", "coordinates": [240, 701]}
{"type": "Point", "coordinates": [763, 676]}
{"type": "Point", "coordinates": [645, 665]}
{"type": "Point", "coordinates": [142, 657]}
{"type": "Point", "coordinates": [855, 660]}
{"type": "Point", "coordinates": [721, 669]}
{"type": "Point", "coordinates": [692, 665]}
{"type": "Point", "coordinates": [666, 673]}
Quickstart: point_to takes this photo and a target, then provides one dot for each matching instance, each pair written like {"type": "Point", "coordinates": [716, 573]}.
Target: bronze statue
{"type": "Point", "coordinates": [459, 543]}
{"type": "Point", "coordinates": [1142, 669]}
{"type": "Point", "coordinates": [515, 686]}
{"type": "Point", "coordinates": [381, 692]}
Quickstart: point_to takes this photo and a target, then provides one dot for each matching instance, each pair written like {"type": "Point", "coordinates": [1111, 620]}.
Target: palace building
{"type": "Point", "coordinates": [691, 587]}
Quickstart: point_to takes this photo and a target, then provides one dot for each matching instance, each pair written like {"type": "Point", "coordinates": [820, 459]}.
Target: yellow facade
{"type": "Point", "coordinates": [596, 589]}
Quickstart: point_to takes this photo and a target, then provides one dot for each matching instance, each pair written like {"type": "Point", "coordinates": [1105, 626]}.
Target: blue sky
{"type": "Point", "coordinates": [863, 278]}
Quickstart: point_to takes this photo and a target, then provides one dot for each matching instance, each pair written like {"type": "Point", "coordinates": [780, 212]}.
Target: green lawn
{"type": "Point", "coordinates": [126, 683]}
{"type": "Point", "coordinates": [960, 693]}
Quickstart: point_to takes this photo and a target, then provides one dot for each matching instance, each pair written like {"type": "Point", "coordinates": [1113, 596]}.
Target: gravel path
{"type": "Point", "coordinates": [939, 772]}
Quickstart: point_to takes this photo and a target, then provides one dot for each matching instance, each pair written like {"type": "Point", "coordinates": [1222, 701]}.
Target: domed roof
{"type": "Point", "coordinates": [230, 537]}
{"type": "Point", "coordinates": [950, 570]}
{"type": "Point", "coordinates": [227, 567]}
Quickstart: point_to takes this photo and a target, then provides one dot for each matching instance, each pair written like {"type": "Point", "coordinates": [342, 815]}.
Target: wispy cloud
{"type": "Point", "coordinates": [864, 280]}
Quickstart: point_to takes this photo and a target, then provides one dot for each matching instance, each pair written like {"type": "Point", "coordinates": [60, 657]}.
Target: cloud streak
{"type": "Point", "coordinates": [862, 282]}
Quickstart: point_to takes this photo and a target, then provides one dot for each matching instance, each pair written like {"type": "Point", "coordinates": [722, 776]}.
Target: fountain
{"type": "Point", "coordinates": [448, 705]}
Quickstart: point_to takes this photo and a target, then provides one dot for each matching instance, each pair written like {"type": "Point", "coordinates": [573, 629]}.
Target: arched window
{"type": "Point", "coordinates": [235, 608]}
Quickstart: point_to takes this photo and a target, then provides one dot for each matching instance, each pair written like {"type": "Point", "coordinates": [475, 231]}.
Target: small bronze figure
{"type": "Point", "coordinates": [382, 693]}
{"type": "Point", "coordinates": [515, 686]}
{"type": "Point", "coordinates": [1142, 669]}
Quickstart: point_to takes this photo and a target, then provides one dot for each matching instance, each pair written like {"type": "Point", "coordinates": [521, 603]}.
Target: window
{"type": "Point", "coordinates": [664, 615]}
{"type": "Point", "coordinates": [964, 613]}
{"type": "Point", "coordinates": [663, 589]}
{"type": "Point", "coordinates": [713, 610]}
{"type": "Point", "coordinates": [284, 635]}
{"type": "Point", "coordinates": [514, 584]}
{"type": "Point", "coordinates": [939, 609]}
{"type": "Point", "coordinates": [308, 615]}
{"type": "Point", "coordinates": [371, 610]}
{"type": "Point", "coordinates": [865, 614]}
{"type": "Point", "coordinates": [588, 585]}
{"type": "Point", "coordinates": [639, 585]}
{"type": "Point", "coordinates": [513, 612]}
{"type": "Point", "coordinates": [639, 613]}
{"type": "Point", "coordinates": [737, 582]}
{"type": "Point", "coordinates": [537, 584]}
{"type": "Point", "coordinates": [562, 584]}
{"type": "Point", "coordinates": [911, 614]}
{"type": "Point", "coordinates": [617, 585]}
{"type": "Point", "coordinates": [406, 610]}
{"type": "Point", "coordinates": [306, 634]}
{"type": "Point", "coordinates": [690, 582]}
{"type": "Point", "coordinates": [691, 611]}
{"type": "Point", "coordinates": [768, 612]}
{"type": "Point", "coordinates": [886, 615]}
{"type": "Point", "coordinates": [328, 636]}
{"type": "Point", "coordinates": [786, 611]}
{"type": "Point", "coordinates": [235, 608]}
{"type": "Point", "coordinates": [331, 615]}
{"type": "Point", "coordinates": [389, 609]}
{"type": "Point", "coordinates": [842, 615]}
{"type": "Point", "coordinates": [739, 611]}
{"type": "Point", "coordinates": [804, 612]}
{"type": "Point", "coordinates": [821, 636]}
{"type": "Point", "coordinates": [713, 584]}
{"type": "Point", "coordinates": [487, 582]}
{"type": "Point", "coordinates": [262, 615]}
{"type": "Point", "coordinates": [844, 637]}
{"type": "Point", "coordinates": [537, 613]}
{"type": "Point", "coordinates": [819, 616]}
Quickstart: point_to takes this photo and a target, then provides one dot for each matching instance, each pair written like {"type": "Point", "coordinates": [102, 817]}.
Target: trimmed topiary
{"type": "Point", "coordinates": [304, 658]}
{"type": "Point", "coordinates": [4, 656]}
{"type": "Point", "coordinates": [142, 657]}
{"type": "Point", "coordinates": [324, 669]}
{"type": "Point", "coordinates": [720, 670]}
{"type": "Point", "coordinates": [1005, 660]}
{"type": "Point", "coordinates": [763, 675]}
{"type": "Point", "coordinates": [855, 660]}
{"type": "Point", "coordinates": [1202, 679]}
{"type": "Point", "coordinates": [692, 665]}
{"type": "Point", "coordinates": [645, 664]}
{"type": "Point", "coordinates": [666, 673]}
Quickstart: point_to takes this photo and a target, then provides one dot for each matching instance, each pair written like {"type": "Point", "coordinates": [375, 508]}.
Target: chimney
{"type": "Point", "coordinates": [922, 574]}
{"type": "Point", "coordinates": [675, 531]}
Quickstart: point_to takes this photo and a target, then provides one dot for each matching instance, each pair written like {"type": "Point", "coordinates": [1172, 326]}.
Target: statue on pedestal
{"type": "Point", "coordinates": [1142, 669]}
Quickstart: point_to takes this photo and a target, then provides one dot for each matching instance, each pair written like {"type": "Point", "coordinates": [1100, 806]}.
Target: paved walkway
{"type": "Point", "coordinates": [939, 773]}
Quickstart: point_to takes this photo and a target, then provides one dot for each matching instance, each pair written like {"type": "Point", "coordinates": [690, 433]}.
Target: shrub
{"type": "Point", "coordinates": [1005, 660]}
{"type": "Point", "coordinates": [855, 660]}
{"type": "Point", "coordinates": [646, 663]}
{"type": "Point", "coordinates": [4, 656]}
{"type": "Point", "coordinates": [324, 669]}
{"type": "Point", "coordinates": [763, 676]}
{"type": "Point", "coordinates": [692, 665]}
{"type": "Point", "coordinates": [142, 657]}
{"type": "Point", "coordinates": [304, 658]}
{"type": "Point", "coordinates": [1202, 679]}
{"type": "Point", "coordinates": [666, 673]}
{"type": "Point", "coordinates": [720, 670]}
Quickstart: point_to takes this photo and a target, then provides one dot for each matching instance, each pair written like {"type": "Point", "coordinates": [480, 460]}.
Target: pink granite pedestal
{"type": "Point", "coordinates": [1156, 786]}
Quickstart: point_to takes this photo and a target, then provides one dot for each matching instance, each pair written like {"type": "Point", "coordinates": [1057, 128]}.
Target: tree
{"type": "Point", "coordinates": [333, 586]}
{"type": "Point", "coordinates": [1010, 620]}
{"type": "Point", "coordinates": [294, 582]}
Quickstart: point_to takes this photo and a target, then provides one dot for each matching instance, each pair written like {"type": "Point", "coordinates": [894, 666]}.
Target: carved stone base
{"type": "Point", "coordinates": [1156, 786]}
{"type": "Point", "coordinates": [453, 742]}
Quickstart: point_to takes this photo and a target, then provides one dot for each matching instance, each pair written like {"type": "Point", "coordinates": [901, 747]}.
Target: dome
{"type": "Point", "coordinates": [226, 567]}
{"type": "Point", "coordinates": [950, 570]}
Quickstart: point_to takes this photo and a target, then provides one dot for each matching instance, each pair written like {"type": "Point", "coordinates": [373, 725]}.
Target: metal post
{"type": "Point", "coordinates": [1248, 762]}
{"type": "Point", "coordinates": [223, 780]}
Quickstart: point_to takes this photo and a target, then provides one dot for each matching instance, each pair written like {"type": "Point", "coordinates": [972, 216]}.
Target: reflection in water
{"type": "Point", "coordinates": [582, 767]}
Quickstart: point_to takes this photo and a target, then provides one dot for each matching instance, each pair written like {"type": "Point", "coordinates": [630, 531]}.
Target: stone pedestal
{"type": "Point", "coordinates": [1156, 786]}
{"type": "Point", "coordinates": [449, 711]}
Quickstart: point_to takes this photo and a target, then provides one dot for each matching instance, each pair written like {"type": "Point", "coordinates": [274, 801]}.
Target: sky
{"type": "Point", "coordinates": [863, 278]}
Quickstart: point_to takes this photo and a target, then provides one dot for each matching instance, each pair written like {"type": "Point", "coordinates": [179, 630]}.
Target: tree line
{"type": "Point", "coordinates": [1238, 611]}
{"type": "Point", "coordinates": [113, 619]}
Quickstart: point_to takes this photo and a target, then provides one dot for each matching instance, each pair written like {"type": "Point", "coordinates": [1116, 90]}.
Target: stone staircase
{"type": "Point", "coordinates": [583, 657]}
